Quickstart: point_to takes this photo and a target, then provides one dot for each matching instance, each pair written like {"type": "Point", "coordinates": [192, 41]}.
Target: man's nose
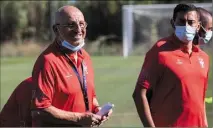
{"type": "Point", "coordinates": [78, 28]}
{"type": "Point", "coordinates": [187, 24]}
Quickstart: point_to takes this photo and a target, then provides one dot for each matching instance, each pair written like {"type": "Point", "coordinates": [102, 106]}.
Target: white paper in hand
{"type": "Point", "coordinates": [105, 109]}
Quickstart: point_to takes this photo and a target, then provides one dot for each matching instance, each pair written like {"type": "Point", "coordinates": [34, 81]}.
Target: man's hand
{"type": "Point", "coordinates": [105, 117]}
{"type": "Point", "coordinates": [89, 119]}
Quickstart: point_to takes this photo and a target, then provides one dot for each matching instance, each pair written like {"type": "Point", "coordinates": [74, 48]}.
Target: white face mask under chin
{"type": "Point", "coordinates": [67, 45]}
{"type": "Point", "coordinates": [71, 47]}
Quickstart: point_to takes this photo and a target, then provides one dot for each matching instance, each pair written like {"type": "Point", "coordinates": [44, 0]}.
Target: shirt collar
{"type": "Point", "coordinates": [179, 45]}
{"type": "Point", "coordinates": [71, 54]}
{"type": "Point", "coordinates": [80, 58]}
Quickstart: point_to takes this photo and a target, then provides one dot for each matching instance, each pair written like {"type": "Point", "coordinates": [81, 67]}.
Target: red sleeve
{"type": "Point", "coordinates": [43, 79]}
{"type": "Point", "coordinates": [206, 83]}
{"type": "Point", "coordinates": [92, 72]}
{"type": "Point", "coordinates": [151, 70]}
{"type": "Point", "coordinates": [93, 82]}
{"type": "Point", "coordinates": [205, 88]}
{"type": "Point", "coordinates": [91, 78]}
{"type": "Point", "coordinates": [94, 93]}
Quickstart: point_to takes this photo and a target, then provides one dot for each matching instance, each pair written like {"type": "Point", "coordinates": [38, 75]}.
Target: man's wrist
{"type": "Point", "coordinates": [96, 109]}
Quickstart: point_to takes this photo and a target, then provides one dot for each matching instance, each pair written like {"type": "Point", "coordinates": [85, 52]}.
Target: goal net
{"type": "Point", "coordinates": [143, 25]}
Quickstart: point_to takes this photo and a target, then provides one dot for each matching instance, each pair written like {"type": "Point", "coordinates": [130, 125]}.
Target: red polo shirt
{"type": "Point", "coordinates": [57, 83]}
{"type": "Point", "coordinates": [178, 81]}
{"type": "Point", "coordinates": [17, 108]}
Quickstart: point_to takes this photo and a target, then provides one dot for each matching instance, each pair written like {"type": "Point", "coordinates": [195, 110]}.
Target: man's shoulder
{"type": "Point", "coordinates": [26, 82]}
{"type": "Point", "coordinates": [162, 41]}
{"type": "Point", "coordinates": [85, 53]}
{"type": "Point", "coordinates": [160, 44]}
{"type": "Point", "coordinates": [203, 54]}
{"type": "Point", "coordinates": [49, 54]}
{"type": "Point", "coordinates": [26, 87]}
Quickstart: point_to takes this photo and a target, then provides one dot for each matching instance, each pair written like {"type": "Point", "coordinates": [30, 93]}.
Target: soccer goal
{"type": "Point", "coordinates": [143, 25]}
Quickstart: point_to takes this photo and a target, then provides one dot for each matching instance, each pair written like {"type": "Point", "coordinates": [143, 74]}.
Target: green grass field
{"type": "Point", "coordinates": [115, 80]}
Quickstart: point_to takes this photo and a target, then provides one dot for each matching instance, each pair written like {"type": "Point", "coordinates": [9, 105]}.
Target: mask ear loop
{"type": "Point", "coordinates": [203, 28]}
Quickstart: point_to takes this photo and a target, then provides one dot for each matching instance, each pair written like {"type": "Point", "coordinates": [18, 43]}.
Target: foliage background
{"type": "Point", "coordinates": [26, 30]}
{"type": "Point", "coordinates": [26, 22]}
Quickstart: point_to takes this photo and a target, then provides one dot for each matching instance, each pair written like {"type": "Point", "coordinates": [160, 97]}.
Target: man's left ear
{"type": "Point", "coordinates": [172, 23]}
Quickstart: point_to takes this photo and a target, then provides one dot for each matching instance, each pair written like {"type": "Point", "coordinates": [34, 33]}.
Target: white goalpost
{"type": "Point", "coordinates": [137, 14]}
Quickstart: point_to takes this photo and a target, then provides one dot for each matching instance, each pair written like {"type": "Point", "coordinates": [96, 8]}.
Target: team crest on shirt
{"type": "Point", "coordinates": [201, 62]}
{"type": "Point", "coordinates": [68, 75]}
{"type": "Point", "coordinates": [179, 61]}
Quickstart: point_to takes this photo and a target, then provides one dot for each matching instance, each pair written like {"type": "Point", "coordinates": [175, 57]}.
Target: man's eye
{"type": "Point", "coordinates": [71, 25]}
{"type": "Point", "coordinates": [190, 22]}
{"type": "Point", "coordinates": [82, 25]}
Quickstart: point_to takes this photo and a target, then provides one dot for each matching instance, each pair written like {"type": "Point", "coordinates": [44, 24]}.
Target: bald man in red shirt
{"type": "Point", "coordinates": [54, 74]}
{"type": "Point", "coordinates": [63, 76]}
{"type": "Point", "coordinates": [176, 71]}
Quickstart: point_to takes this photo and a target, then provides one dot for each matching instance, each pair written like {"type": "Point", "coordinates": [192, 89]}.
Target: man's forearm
{"type": "Point", "coordinates": [143, 109]}
{"type": "Point", "coordinates": [53, 114]}
{"type": "Point", "coordinates": [95, 102]}
{"type": "Point", "coordinates": [96, 106]}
